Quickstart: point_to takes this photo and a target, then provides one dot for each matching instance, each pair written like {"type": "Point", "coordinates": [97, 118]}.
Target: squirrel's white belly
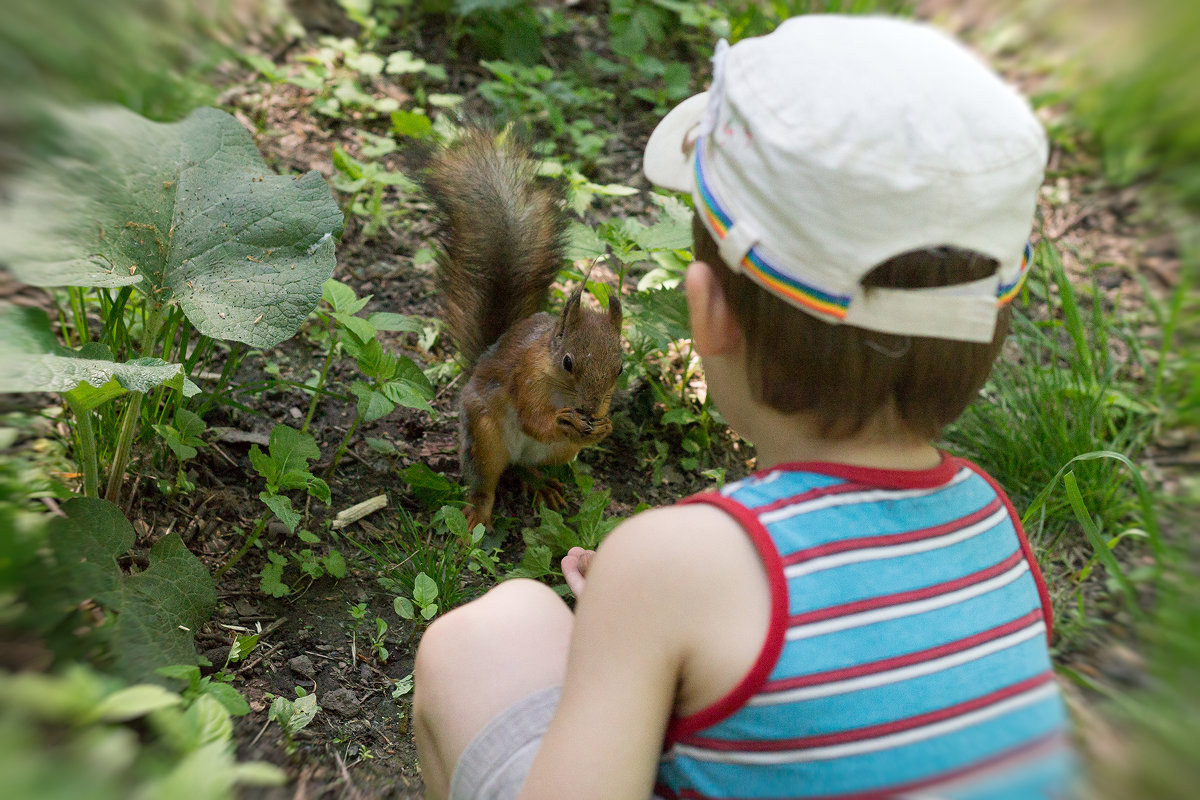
{"type": "Point", "coordinates": [523, 448]}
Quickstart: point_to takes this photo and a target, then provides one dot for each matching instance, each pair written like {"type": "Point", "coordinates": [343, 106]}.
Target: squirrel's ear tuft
{"type": "Point", "coordinates": [614, 309]}
{"type": "Point", "coordinates": [570, 314]}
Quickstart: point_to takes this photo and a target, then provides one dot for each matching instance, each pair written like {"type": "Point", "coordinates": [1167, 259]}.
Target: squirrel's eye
{"type": "Point", "coordinates": [620, 369]}
{"type": "Point", "coordinates": [568, 362]}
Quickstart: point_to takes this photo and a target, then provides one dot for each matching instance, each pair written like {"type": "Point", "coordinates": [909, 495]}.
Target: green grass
{"type": "Point", "coordinates": [1064, 395]}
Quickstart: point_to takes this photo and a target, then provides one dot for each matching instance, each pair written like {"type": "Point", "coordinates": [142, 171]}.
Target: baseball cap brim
{"type": "Point", "coordinates": [667, 161]}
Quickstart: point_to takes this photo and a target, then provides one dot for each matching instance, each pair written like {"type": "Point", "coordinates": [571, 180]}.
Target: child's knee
{"type": "Point", "coordinates": [501, 613]}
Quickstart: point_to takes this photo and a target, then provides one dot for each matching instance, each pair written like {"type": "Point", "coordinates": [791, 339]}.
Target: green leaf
{"type": "Point", "coordinates": [404, 393]}
{"type": "Point", "coordinates": [207, 721]}
{"type": "Point", "coordinates": [160, 608]}
{"type": "Point", "coordinates": [379, 445]}
{"type": "Point", "coordinates": [363, 330]}
{"type": "Point", "coordinates": [270, 581]}
{"type": "Point", "coordinates": [289, 454]}
{"type": "Point", "coordinates": [430, 487]}
{"type": "Point", "coordinates": [173, 440]}
{"type": "Point", "coordinates": [86, 397]}
{"type": "Point", "coordinates": [372, 405]}
{"type": "Point", "coordinates": [425, 590]}
{"type": "Point", "coordinates": [388, 321]}
{"type": "Point", "coordinates": [335, 564]}
{"type": "Point", "coordinates": [187, 212]}
{"type": "Point", "coordinates": [34, 362]}
{"type": "Point", "coordinates": [86, 544]}
{"type": "Point", "coordinates": [341, 298]}
{"type": "Point", "coordinates": [404, 608]}
{"type": "Point", "coordinates": [1099, 546]}
{"type": "Point", "coordinates": [242, 646]}
{"type": "Point", "coordinates": [133, 702]}
{"type": "Point", "coordinates": [456, 521]}
{"type": "Point", "coordinates": [535, 563]}
{"type": "Point", "coordinates": [407, 370]}
{"type": "Point", "coordinates": [318, 489]}
{"type": "Point", "coordinates": [308, 537]}
{"type": "Point", "coordinates": [281, 507]}
{"type": "Point", "coordinates": [186, 672]}
{"type": "Point", "coordinates": [411, 123]}
{"type": "Point", "coordinates": [367, 64]}
{"type": "Point", "coordinates": [190, 426]}
{"type": "Point", "coordinates": [402, 62]}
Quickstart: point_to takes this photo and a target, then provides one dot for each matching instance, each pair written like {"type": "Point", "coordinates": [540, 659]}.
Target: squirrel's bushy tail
{"type": "Point", "coordinates": [501, 238]}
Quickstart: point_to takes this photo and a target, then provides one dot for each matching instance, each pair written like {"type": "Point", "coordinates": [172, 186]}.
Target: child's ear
{"type": "Point", "coordinates": [715, 331]}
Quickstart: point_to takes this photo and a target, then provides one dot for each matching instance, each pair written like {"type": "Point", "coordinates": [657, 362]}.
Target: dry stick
{"type": "Point", "coordinates": [351, 789]}
{"type": "Point", "coordinates": [359, 510]}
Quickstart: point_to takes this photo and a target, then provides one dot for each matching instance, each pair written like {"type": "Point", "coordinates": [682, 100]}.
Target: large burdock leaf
{"type": "Point", "coordinates": [150, 616]}
{"type": "Point", "coordinates": [186, 211]}
{"type": "Point", "coordinates": [32, 361]}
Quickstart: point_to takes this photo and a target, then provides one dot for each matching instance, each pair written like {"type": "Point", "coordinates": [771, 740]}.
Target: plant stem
{"type": "Point", "coordinates": [129, 422]}
{"type": "Point", "coordinates": [259, 526]}
{"type": "Point", "coordinates": [87, 448]}
{"type": "Point", "coordinates": [133, 412]}
{"type": "Point", "coordinates": [231, 364]}
{"type": "Point", "coordinates": [312, 405]}
{"type": "Point", "coordinates": [81, 327]}
{"type": "Point", "coordinates": [341, 451]}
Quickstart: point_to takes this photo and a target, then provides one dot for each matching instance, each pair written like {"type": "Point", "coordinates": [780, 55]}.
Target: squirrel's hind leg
{"type": "Point", "coordinates": [484, 457]}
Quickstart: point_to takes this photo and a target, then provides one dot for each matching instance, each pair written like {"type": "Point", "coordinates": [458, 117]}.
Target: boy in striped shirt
{"type": "Point", "coordinates": [863, 618]}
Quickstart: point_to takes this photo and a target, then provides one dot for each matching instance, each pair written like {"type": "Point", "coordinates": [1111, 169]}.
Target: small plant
{"type": "Point", "coordinates": [358, 613]}
{"type": "Point", "coordinates": [217, 685]}
{"type": "Point", "coordinates": [392, 380]}
{"type": "Point", "coordinates": [377, 646]}
{"type": "Point", "coordinates": [183, 438]}
{"type": "Point", "coordinates": [293, 716]}
{"type": "Point", "coordinates": [366, 183]}
{"type": "Point", "coordinates": [423, 602]}
{"type": "Point", "coordinates": [285, 468]}
{"type": "Point", "coordinates": [555, 536]}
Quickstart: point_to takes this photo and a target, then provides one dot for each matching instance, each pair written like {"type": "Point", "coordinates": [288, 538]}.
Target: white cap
{"type": "Point", "coordinates": [835, 143]}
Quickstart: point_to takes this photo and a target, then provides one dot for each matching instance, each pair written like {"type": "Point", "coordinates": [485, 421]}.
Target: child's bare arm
{"type": "Point", "coordinates": [654, 612]}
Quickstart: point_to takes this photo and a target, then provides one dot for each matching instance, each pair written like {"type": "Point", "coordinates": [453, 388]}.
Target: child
{"type": "Point", "coordinates": [862, 618]}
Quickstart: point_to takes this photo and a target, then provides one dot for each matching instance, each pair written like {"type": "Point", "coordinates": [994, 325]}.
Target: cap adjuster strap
{"type": "Point", "coordinates": [965, 311]}
{"type": "Point", "coordinates": [737, 243]}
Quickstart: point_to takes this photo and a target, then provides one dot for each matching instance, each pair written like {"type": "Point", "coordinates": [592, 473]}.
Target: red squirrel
{"type": "Point", "coordinates": [539, 385]}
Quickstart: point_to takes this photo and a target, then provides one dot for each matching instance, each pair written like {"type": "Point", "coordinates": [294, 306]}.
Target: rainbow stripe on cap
{"type": "Point", "coordinates": [797, 292]}
{"type": "Point", "coordinates": [794, 291]}
{"type": "Point", "coordinates": [1007, 292]}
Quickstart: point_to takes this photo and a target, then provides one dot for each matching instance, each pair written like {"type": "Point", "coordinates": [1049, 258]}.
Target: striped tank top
{"type": "Point", "coordinates": [906, 652]}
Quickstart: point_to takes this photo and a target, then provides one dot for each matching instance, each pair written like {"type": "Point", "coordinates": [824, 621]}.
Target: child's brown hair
{"type": "Point", "coordinates": [842, 375]}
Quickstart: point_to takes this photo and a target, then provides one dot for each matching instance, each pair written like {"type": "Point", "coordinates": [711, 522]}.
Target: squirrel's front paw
{"type": "Point", "coordinates": [601, 427]}
{"type": "Point", "coordinates": [574, 423]}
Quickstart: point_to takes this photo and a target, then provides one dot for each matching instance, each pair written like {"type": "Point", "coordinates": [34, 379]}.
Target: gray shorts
{"type": "Point", "coordinates": [495, 763]}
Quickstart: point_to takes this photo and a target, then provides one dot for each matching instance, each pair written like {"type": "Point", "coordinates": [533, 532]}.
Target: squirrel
{"type": "Point", "coordinates": [539, 385]}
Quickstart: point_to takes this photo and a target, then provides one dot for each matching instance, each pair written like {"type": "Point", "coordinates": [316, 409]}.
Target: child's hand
{"type": "Point", "coordinates": [574, 566]}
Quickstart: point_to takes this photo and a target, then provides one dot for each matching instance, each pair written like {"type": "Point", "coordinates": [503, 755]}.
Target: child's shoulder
{"type": "Point", "coordinates": [688, 550]}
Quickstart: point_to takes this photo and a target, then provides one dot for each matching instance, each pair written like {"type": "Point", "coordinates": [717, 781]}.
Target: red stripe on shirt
{"type": "Point", "coordinates": [846, 545]}
{"type": "Point", "coordinates": [1038, 580]}
{"type": "Point", "coordinates": [899, 598]}
{"type": "Point", "coordinates": [812, 494]}
{"type": "Point", "coordinates": [753, 681]}
{"type": "Point", "coordinates": [1005, 760]}
{"type": "Point", "coordinates": [872, 731]}
{"type": "Point", "coordinates": [908, 659]}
